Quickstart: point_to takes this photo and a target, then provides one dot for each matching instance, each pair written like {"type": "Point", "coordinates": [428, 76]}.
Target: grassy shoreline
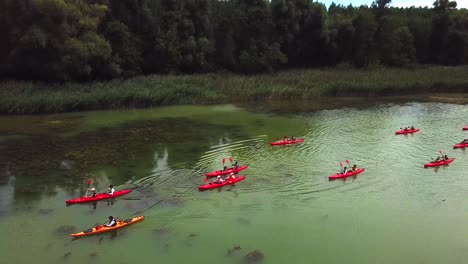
{"type": "Point", "coordinates": [19, 97]}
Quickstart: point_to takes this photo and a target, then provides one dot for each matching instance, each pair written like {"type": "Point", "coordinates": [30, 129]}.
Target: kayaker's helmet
{"type": "Point", "coordinates": [111, 186]}
{"type": "Point", "coordinates": [92, 189]}
{"type": "Point", "coordinates": [111, 217]}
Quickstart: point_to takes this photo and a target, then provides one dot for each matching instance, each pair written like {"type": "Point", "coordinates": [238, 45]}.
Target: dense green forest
{"type": "Point", "coordinates": [83, 40]}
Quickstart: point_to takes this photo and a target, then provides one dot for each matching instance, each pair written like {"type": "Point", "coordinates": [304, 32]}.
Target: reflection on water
{"type": "Point", "coordinates": [286, 208]}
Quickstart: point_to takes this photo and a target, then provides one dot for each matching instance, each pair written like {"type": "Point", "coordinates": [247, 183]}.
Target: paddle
{"type": "Point", "coordinates": [89, 185]}
{"type": "Point", "coordinates": [349, 165]}
{"type": "Point", "coordinates": [341, 165]}
{"type": "Point", "coordinates": [230, 159]}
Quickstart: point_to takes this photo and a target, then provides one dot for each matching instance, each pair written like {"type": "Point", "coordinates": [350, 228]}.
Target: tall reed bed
{"type": "Point", "coordinates": [18, 97]}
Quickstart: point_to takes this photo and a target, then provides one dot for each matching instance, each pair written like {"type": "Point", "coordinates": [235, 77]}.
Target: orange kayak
{"type": "Point", "coordinates": [102, 229]}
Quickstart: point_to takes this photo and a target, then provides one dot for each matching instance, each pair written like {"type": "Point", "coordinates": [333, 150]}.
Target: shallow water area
{"type": "Point", "coordinates": [396, 211]}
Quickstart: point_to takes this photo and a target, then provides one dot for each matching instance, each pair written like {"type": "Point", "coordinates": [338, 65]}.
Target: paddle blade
{"type": "Point", "coordinates": [440, 151]}
{"type": "Point", "coordinates": [90, 181]}
{"type": "Point", "coordinates": [341, 164]}
{"type": "Point", "coordinates": [224, 160]}
{"type": "Point", "coordinates": [230, 159]}
{"type": "Point", "coordinates": [347, 161]}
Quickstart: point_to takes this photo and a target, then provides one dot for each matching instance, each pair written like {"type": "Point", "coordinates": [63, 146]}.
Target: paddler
{"type": "Point", "coordinates": [345, 170]}
{"type": "Point", "coordinates": [231, 177]}
{"type": "Point", "coordinates": [112, 222]}
{"type": "Point", "coordinates": [93, 192]}
{"type": "Point", "coordinates": [236, 165]}
{"type": "Point", "coordinates": [111, 190]}
{"type": "Point", "coordinates": [218, 179]}
{"type": "Point", "coordinates": [354, 168]}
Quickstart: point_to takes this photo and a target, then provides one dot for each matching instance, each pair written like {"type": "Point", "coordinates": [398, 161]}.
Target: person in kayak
{"type": "Point", "coordinates": [436, 159]}
{"type": "Point", "coordinates": [92, 192]}
{"type": "Point", "coordinates": [354, 168]}
{"type": "Point", "coordinates": [112, 222]}
{"type": "Point", "coordinates": [345, 170]}
{"type": "Point", "coordinates": [465, 141]}
{"type": "Point", "coordinates": [445, 157]}
{"type": "Point", "coordinates": [218, 179]}
{"type": "Point", "coordinates": [225, 168]}
{"type": "Point", "coordinates": [236, 165]}
{"type": "Point", "coordinates": [412, 127]}
{"type": "Point", "coordinates": [292, 138]}
{"type": "Point", "coordinates": [231, 177]}
{"type": "Point", "coordinates": [111, 190]}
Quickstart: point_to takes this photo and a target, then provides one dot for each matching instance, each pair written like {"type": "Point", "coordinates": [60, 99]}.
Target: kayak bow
{"type": "Point", "coordinates": [460, 145]}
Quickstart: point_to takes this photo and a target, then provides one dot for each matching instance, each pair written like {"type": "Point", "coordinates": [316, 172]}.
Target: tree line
{"type": "Point", "coordinates": [84, 40]}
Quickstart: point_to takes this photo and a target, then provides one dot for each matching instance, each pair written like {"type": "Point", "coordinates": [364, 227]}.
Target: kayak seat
{"type": "Point", "coordinates": [128, 220]}
{"type": "Point", "coordinates": [88, 230]}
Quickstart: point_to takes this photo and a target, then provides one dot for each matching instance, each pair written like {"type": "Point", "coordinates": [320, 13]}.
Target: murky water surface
{"type": "Point", "coordinates": [394, 212]}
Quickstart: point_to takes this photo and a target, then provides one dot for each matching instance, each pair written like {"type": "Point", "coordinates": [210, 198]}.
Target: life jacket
{"type": "Point", "coordinates": [113, 222]}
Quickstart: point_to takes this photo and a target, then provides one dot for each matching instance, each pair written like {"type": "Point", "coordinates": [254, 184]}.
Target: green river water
{"type": "Point", "coordinates": [394, 212]}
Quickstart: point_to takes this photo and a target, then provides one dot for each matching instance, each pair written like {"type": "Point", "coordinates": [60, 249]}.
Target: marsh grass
{"type": "Point", "coordinates": [19, 97]}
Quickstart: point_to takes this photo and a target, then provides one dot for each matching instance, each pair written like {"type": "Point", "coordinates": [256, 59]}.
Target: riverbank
{"type": "Point", "coordinates": [18, 97]}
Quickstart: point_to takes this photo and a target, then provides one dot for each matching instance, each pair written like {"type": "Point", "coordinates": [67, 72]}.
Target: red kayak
{"type": "Point", "coordinates": [287, 142]}
{"type": "Point", "coordinates": [213, 185]}
{"type": "Point", "coordinates": [465, 128]}
{"type": "Point", "coordinates": [342, 176]}
{"type": "Point", "coordinates": [409, 131]}
{"type": "Point", "coordinates": [228, 171]}
{"type": "Point", "coordinates": [460, 145]}
{"type": "Point", "coordinates": [435, 164]}
{"type": "Point", "coordinates": [99, 196]}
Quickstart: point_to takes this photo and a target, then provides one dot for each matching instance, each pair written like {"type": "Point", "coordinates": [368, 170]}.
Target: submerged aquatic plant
{"type": "Point", "coordinates": [254, 257]}
{"type": "Point", "coordinates": [232, 250]}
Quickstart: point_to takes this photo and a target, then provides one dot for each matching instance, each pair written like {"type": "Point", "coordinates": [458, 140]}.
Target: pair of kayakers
{"type": "Point", "coordinates": [110, 191]}
{"type": "Point", "coordinates": [220, 179]}
{"type": "Point", "coordinates": [408, 128]}
{"type": "Point", "coordinates": [345, 169]}
{"type": "Point", "coordinates": [292, 138]}
{"type": "Point", "coordinates": [441, 158]}
{"type": "Point", "coordinates": [235, 166]}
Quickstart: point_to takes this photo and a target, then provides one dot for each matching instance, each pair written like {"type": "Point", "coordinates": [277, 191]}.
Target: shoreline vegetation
{"type": "Point", "coordinates": [24, 97]}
